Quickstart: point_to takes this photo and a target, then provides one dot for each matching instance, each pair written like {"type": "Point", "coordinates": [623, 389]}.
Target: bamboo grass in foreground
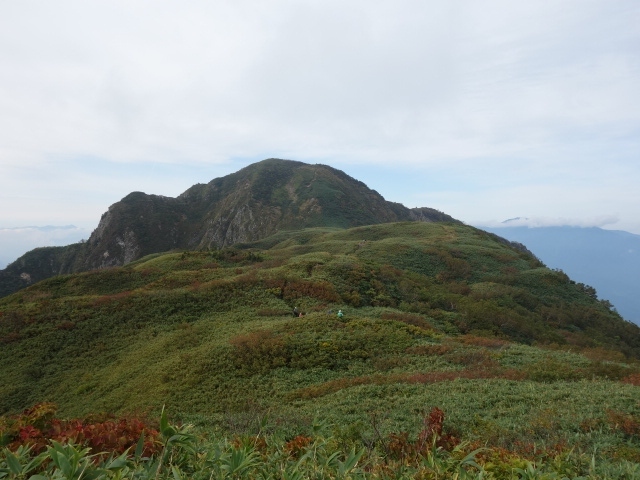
{"type": "Point", "coordinates": [177, 452]}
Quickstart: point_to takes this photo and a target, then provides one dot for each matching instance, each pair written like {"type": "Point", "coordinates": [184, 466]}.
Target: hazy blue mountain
{"type": "Point", "coordinates": [608, 260]}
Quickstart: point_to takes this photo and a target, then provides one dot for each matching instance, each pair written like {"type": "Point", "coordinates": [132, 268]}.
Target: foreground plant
{"type": "Point", "coordinates": [181, 454]}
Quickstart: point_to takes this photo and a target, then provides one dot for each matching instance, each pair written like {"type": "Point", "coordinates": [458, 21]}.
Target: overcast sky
{"type": "Point", "coordinates": [486, 110]}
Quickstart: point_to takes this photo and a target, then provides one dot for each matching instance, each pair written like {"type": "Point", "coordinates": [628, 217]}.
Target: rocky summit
{"type": "Point", "coordinates": [259, 200]}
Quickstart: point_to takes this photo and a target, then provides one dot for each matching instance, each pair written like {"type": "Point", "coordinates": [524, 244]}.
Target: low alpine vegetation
{"type": "Point", "coordinates": [454, 353]}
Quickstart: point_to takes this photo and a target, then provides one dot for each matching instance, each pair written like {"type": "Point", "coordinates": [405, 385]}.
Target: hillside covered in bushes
{"type": "Point", "coordinates": [436, 315]}
{"type": "Point", "coordinates": [251, 204]}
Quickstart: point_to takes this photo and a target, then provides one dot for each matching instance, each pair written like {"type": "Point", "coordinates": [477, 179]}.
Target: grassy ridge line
{"type": "Point", "coordinates": [248, 205]}
{"type": "Point", "coordinates": [210, 334]}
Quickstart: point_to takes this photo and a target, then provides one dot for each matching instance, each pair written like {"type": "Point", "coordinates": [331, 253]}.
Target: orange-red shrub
{"type": "Point", "coordinates": [36, 426]}
{"type": "Point", "coordinates": [633, 379]}
{"type": "Point", "coordinates": [626, 423]}
{"type": "Point", "coordinates": [297, 446]}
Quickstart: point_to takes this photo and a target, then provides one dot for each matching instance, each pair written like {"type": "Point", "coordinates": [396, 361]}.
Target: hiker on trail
{"type": "Point", "coordinates": [296, 312]}
{"type": "Point", "coordinates": [340, 314]}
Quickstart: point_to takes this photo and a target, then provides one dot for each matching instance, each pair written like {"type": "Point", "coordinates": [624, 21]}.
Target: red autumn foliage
{"type": "Point", "coordinates": [36, 426]}
{"type": "Point", "coordinates": [256, 441]}
{"type": "Point", "coordinates": [321, 290]}
{"type": "Point", "coordinates": [432, 434]}
{"type": "Point", "coordinates": [633, 379]}
{"type": "Point", "coordinates": [297, 445]}
{"type": "Point", "coordinates": [626, 423]}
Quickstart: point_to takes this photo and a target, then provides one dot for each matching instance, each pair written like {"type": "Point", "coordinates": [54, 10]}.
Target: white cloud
{"type": "Point", "coordinates": [536, 222]}
{"type": "Point", "coordinates": [495, 101]}
{"type": "Point", "coordinates": [419, 80]}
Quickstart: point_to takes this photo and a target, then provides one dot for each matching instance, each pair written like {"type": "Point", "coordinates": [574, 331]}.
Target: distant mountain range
{"type": "Point", "coordinates": [258, 201]}
{"type": "Point", "coordinates": [608, 260]}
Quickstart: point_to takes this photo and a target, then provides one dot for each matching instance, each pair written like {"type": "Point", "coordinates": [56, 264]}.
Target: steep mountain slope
{"type": "Point", "coordinates": [251, 204]}
{"type": "Point", "coordinates": [608, 260]}
{"type": "Point", "coordinates": [211, 332]}
{"type": "Point", "coordinates": [38, 264]}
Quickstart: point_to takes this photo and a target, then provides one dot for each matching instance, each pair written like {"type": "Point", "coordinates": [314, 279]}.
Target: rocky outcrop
{"type": "Point", "coordinates": [249, 205]}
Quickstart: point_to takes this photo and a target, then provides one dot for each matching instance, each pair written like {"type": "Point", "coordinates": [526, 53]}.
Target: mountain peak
{"type": "Point", "coordinates": [253, 203]}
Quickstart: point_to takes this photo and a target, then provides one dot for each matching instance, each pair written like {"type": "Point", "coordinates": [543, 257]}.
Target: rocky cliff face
{"type": "Point", "coordinates": [249, 205]}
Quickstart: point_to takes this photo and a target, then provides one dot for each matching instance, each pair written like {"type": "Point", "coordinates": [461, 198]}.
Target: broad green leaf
{"type": "Point", "coordinates": [13, 463]}
{"type": "Point", "coordinates": [65, 466]}
{"type": "Point", "coordinates": [351, 461]}
{"type": "Point", "coordinates": [177, 475]}
{"type": "Point", "coordinates": [35, 462]}
{"type": "Point", "coordinates": [332, 459]}
{"type": "Point", "coordinates": [140, 446]}
{"type": "Point", "coordinates": [118, 463]}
